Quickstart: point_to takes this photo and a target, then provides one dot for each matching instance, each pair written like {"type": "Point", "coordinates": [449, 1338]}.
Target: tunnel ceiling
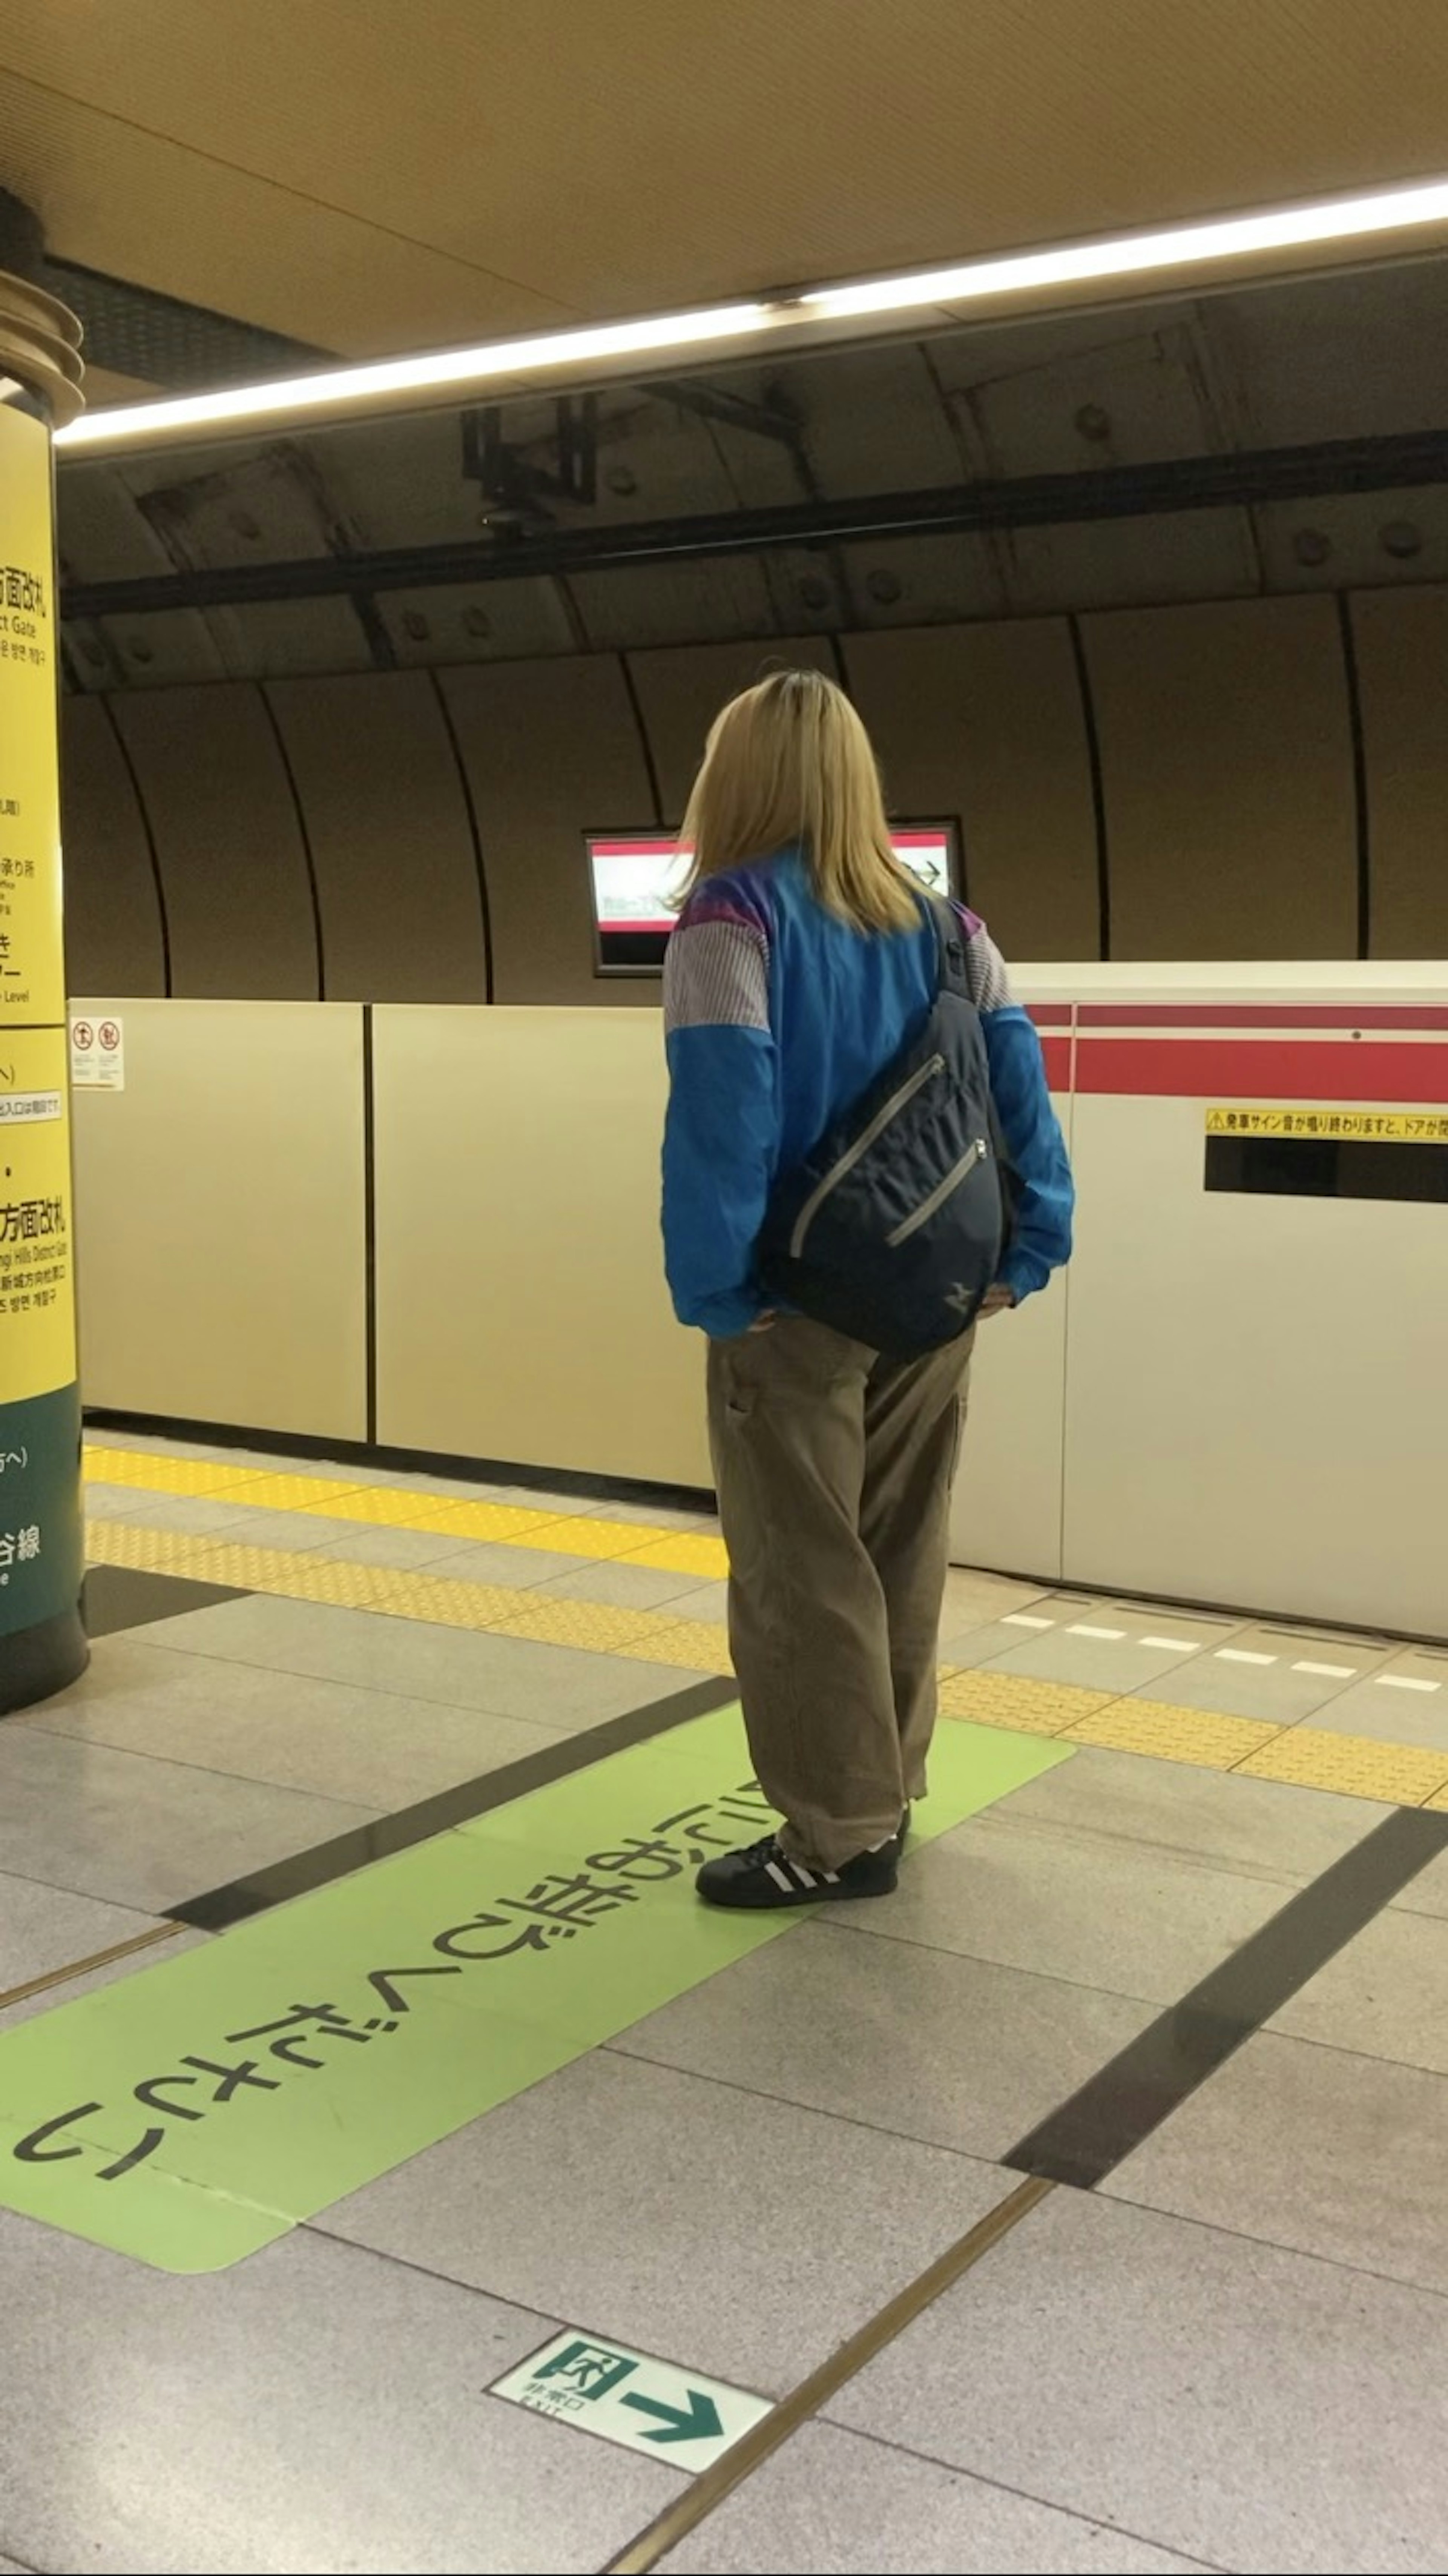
{"type": "Point", "coordinates": [1288, 438]}
{"type": "Point", "coordinates": [365, 176]}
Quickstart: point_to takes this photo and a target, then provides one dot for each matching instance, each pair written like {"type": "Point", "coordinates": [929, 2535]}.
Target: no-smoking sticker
{"type": "Point", "coordinates": [97, 1055]}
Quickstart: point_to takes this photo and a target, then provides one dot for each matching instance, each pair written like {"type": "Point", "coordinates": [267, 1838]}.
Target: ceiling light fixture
{"type": "Point", "coordinates": [1225, 238]}
{"type": "Point", "coordinates": [375, 386]}
{"type": "Point", "coordinates": [507, 365]}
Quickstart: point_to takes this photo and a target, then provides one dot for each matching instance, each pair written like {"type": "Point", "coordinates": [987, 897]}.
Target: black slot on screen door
{"type": "Point", "coordinates": [1328, 1167]}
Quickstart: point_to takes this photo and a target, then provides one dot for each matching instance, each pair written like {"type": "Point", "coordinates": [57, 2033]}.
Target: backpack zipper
{"type": "Point", "coordinates": [898, 1100]}
{"type": "Point", "coordinates": [926, 1210]}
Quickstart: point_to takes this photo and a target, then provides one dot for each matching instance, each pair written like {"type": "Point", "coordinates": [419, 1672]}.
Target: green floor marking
{"type": "Point", "coordinates": [197, 2110]}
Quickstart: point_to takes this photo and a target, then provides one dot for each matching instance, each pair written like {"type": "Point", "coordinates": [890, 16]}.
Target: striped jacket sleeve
{"type": "Point", "coordinates": [722, 1130]}
{"type": "Point", "coordinates": [1030, 1130]}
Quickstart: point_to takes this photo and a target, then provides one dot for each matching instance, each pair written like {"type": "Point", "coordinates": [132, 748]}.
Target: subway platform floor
{"type": "Point", "coordinates": [1084, 2205]}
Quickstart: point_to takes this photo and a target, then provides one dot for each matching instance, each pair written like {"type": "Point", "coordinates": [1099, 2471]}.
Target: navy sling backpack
{"type": "Point", "coordinates": [892, 1230]}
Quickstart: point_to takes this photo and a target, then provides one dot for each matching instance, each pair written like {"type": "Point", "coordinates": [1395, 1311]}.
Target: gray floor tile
{"type": "Point", "coordinates": [553, 1686]}
{"type": "Point", "coordinates": [704, 1601]}
{"type": "Point", "coordinates": [139, 1832]}
{"type": "Point", "coordinates": [1246, 2406]}
{"type": "Point", "coordinates": [121, 1597]}
{"type": "Point", "coordinates": [331, 1739]}
{"type": "Point", "coordinates": [1404, 1702]}
{"type": "Point", "coordinates": [937, 2047]}
{"type": "Point", "coordinates": [297, 1533]}
{"type": "Point", "coordinates": [1335, 2155]}
{"type": "Point", "coordinates": [1100, 1651]}
{"type": "Point", "coordinates": [447, 1489]}
{"type": "Point", "coordinates": [976, 1626]}
{"type": "Point", "coordinates": [623, 1587]}
{"type": "Point", "coordinates": [194, 1515]}
{"type": "Point", "coordinates": [1427, 1893]}
{"type": "Point", "coordinates": [1252, 1825]}
{"type": "Point", "coordinates": [835, 2501]}
{"type": "Point", "coordinates": [150, 1444]}
{"type": "Point", "coordinates": [12, 2567]}
{"type": "Point", "coordinates": [520, 1568]}
{"type": "Point", "coordinates": [743, 2237]}
{"type": "Point", "coordinates": [1385, 1995]}
{"type": "Point", "coordinates": [312, 2409]}
{"type": "Point", "coordinates": [43, 1928]}
{"type": "Point", "coordinates": [1132, 1919]}
{"type": "Point", "coordinates": [1277, 1691]}
{"type": "Point", "coordinates": [664, 1516]}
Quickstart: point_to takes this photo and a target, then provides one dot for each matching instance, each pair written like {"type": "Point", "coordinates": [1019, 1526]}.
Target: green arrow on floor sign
{"type": "Point", "coordinates": [699, 2421]}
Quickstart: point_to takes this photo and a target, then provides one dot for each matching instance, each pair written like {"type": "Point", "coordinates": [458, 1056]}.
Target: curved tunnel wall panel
{"type": "Point", "coordinates": [113, 929]}
{"type": "Point", "coordinates": [391, 843]}
{"type": "Point", "coordinates": [681, 689]}
{"type": "Point", "coordinates": [985, 723]}
{"type": "Point", "coordinates": [230, 848]}
{"type": "Point", "coordinates": [1401, 641]}
{"type": "Point", "coordinates": [1227, 772]}
{"type": "Point", "coordinates": [551, 750]}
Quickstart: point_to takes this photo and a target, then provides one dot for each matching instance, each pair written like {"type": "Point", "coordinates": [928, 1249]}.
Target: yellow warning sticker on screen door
{"type": "Point", "coordinates": [1339, 1126]}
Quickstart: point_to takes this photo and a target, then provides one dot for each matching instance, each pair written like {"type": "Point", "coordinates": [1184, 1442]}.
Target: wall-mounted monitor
{"type": "Point", "coordinates": [635, 874]}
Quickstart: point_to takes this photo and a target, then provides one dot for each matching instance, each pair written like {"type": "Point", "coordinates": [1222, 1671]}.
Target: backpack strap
{"type": "Point", "coordinates": [950, 948]}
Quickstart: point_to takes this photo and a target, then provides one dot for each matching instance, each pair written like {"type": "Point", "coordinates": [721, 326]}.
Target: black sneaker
{"type": "Point", "coordinates": [763, 1875]}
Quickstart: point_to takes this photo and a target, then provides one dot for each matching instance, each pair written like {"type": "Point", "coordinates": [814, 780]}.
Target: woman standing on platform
{"type": "Point", "coordinates": [805, 964]}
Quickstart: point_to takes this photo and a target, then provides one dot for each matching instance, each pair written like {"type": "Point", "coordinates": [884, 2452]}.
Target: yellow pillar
{"type": "Point", "coordinates": [42, 1639]}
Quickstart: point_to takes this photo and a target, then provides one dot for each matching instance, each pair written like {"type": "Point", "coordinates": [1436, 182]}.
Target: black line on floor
{"type": "Point", "coordinates": [281, 1880]}
{"type": "Point", "coordinates": [1087, 2137]}
{"type": "Point", "coordinates": [126, 1596]}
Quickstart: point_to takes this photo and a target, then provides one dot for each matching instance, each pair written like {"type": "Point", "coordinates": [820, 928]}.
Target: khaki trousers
{"type": "Point", "coordinates": [834, 1468]}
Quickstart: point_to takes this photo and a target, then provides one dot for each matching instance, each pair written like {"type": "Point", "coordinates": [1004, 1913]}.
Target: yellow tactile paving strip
{"type": "Point", "coordinates": [1208, 1739]}
{"type": "Point", "coordinates": [502, 1524]}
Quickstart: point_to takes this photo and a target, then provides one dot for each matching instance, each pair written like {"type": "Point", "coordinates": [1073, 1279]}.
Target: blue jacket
{"type": "Point", "coordinates": [778, 1017]}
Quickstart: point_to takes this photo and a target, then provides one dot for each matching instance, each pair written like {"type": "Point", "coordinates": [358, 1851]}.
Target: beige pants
{"type": "Point", "coordinates": [834, 1468]}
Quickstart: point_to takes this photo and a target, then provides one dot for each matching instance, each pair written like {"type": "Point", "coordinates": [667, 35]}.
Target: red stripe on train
{"type": "Point", "coordinates": [1260, 1015]}
{"type": "Point", "coordinates": [1248, 1069]}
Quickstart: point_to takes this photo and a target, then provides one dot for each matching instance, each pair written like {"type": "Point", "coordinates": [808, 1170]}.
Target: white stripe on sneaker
{"type": "Point", "coordinates": [780, 1877]}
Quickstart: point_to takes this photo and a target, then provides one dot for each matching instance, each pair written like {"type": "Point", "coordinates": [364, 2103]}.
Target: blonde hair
{"type": "Point", "coordinates": [790, 762]}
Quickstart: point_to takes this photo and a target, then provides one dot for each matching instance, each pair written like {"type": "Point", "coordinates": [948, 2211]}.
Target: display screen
{"type": "Point", "coordinates": [636, 875]}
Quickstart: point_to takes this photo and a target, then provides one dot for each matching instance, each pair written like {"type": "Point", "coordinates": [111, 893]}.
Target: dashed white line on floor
{"type": "Point", "coordinates": [1224, 1654]}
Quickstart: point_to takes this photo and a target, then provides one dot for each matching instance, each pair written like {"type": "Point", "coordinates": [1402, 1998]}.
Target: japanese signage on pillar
{"type": "Point", "coordinates": [39, 1401]}
{"type": "Point", "coordinates": [32, 967]}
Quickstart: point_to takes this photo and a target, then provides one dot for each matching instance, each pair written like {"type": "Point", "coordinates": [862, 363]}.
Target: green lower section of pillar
{"type": "Point", "coordinates": [200, 2109]}
{"type": "Point", "coordinates": [42, 1547]}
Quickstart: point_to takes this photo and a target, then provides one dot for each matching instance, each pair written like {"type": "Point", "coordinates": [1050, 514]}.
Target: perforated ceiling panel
{"type": "Point", "coordinates": [368, 177]}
